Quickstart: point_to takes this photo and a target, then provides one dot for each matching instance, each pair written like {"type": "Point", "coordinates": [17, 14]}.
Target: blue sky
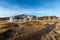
{"type": "Point", "coordinates": [29, 7]}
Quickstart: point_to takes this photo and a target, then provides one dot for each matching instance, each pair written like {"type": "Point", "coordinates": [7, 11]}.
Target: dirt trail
{"type": "Point", "coordinates": [33, 36]}
{"type": "Point", "coordinates": [37, 35]}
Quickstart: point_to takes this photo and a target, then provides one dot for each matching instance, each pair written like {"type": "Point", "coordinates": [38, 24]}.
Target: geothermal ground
{"type": "Point", "coordinates": [31, 30]}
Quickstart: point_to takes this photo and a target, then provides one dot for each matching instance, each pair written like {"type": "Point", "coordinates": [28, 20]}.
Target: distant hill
{"type": "Point", "coordinates": [46, 17]}
{"type": "Point", "coordinates": [22, 16]}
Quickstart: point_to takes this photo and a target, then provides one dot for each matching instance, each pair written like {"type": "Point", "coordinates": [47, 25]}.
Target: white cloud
{"type": "Point", "coordinates": [16, 10]}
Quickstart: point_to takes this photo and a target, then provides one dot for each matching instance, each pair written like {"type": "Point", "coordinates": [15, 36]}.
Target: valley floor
{"type": "Point", "coordinates": [32, 30]}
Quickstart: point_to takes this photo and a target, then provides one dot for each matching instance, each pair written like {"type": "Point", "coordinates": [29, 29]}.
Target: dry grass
{"type": "Point", "coordinates": [24, 31]}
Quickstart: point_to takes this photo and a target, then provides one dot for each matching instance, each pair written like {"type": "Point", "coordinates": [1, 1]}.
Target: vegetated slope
{"type": "Point", "coordinates": [32, 31]}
